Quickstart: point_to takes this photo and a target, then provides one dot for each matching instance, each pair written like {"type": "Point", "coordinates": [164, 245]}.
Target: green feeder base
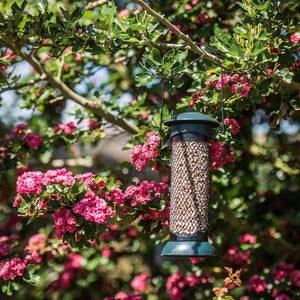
{"type": "Point", "coordinates": [188, 249]}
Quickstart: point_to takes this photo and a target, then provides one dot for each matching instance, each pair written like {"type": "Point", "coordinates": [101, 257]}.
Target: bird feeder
{"type": "Point", "coordinates": [191, 133]}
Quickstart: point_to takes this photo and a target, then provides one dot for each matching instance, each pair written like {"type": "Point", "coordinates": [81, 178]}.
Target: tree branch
{"type": "Point", "coordinates": [186, 38]}
{"type": "Point", "coordinates": [93, 5]}
{"type": "Point", "coordinates": [19, 86]}
{"type": "Point", "coordinates": [68, 93]}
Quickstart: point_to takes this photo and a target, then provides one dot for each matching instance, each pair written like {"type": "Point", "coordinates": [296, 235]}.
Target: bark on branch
{"type": "Point", "coordinates": [186, 38]}
{"type": "Point", "coordinates": [68, 93]}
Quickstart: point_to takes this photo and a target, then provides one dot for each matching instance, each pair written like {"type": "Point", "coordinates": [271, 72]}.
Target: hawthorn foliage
{"type": "Point", "coordinates": [75, 225]}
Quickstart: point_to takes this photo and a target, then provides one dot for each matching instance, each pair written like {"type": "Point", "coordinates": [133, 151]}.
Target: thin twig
{"type": "Point", "coordinates": [19, 86]}
{"type": "Point", "coordinates": [180, 34]}
{"type": "Point", "coordinates": [60, 68]}
{"type": "Point", "coordinates": [68, 93]}
{"type": "Point", "coordinates": [56, 99]}
{"type": "Point", "coordinates": [93, 5]}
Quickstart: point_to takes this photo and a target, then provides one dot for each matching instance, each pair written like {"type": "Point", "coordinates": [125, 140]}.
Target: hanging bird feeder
{"type": "Point", "coordinates": [191, 133]}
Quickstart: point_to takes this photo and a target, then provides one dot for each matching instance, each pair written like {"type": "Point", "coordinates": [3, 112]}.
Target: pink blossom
{"type": "Point", "coordinates": [176, 294]}
{"type": "Point", "coordinates": [3, 249]}
{"type": "Point", "coordinates": [67, 128]}
{"type": "Point", "coordinates": [235, 127]}
{"type": "Point", "coordinates": [19, 129]}
{"type": "Point", "coordinates": [216, 150]}
{"type": "Point", "coordinates": [79, 31]}
{"type": "Point", "coordinates": [93, 208]}
{"type": "Point", "coordinates": [91, 123]}
{"type": "Point", "coordinates": [78, 57]}
{"type": "Point", "coordinates": [33, 139]}
{"type": "Point", "coordinates": [295, 278]}
{"type": "Point", "coordinates": [116, 195]}
{"type": "Point", "coordinates": [191, 103]}
{"type": "Point", "coordinates": [269, 71]}
{"type": "Point", "coordinates": [233, 88]}
{"type": "Point", "coordinates": [121, 296]}
{"type": "Point", "coordinates": [58, 175]}
{"type": "Point", "coordinates": [145, 117]}
{"type": "Point", "coordinates": [87, 178]}
{"type": "Point", "coordinates": [235, 256]}
{"type": "Point", "coordinates": [45, 57]}
{"type": "Point", "coordinates": [124, 13]}
{"type": "Point", "coordinates": [187, 7]}
{"type": "Point", "coordinates": [64, 222]}
{"type": "Point", "coordinates": [106, 252]}
{"type": "Point", "coordinates": [10, 54]}
{"type": "Point", "coordinates": [203, 18]}
{"type": "Point", "coordinates": [295, 38]}
{"type": "Point", "coordinates": [245, 90]}
{"type": "Point", "coordinates": [194, 2]}
{"type": "Point", "coordinates": [209, 83]}
{"type": "Point", "coordinates": [13, 268]}
{"type": "Point", "coordinates": [282, 297]}
{"type": "Point", "coordinates": [176, 26]}
{"type": "Point", "coordinates": [17, 201]}
{"type": "Point", "coordinates": [235, 78]}
{"type": "Point", "coordinates": [140, 155]}
{"type": "Point", "coordinates": [132, 102]}
{"type": "Point", "coordinates": [29, 182]}
{"type": "Point", "coordinates": [243, 80]}
{"type": "Point", "coordinates": [247, 238]}
{"type": "Point", "coordinates": [256, 284]}
{"type": "Point", "coordinates": [140, 282]}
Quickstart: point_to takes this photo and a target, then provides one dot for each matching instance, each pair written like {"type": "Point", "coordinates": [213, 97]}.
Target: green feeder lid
{"type": "Point", "coordinates": [192, 117]}
{"type": "Point", "coordinates": [188, 249]}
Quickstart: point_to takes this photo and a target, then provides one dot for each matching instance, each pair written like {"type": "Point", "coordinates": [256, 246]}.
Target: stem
{"type": "Point", "coordinates": [186, 38]}
{"type": "Point", "coordinates": [93, 5]}
{"type": "Point", "coordinates": [68, 93]}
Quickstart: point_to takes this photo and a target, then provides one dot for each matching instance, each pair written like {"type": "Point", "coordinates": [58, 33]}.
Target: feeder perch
{"type": "Point", "coordinates": [190, 185]}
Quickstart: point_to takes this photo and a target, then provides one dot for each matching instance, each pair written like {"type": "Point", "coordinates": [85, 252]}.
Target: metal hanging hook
{"type": "Point", "coordinates": [222, 88]}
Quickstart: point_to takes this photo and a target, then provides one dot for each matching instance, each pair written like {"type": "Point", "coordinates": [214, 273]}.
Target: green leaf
{"type": "Point", "coordinates": [78, 188]}
{"type": "Point", "coordinates": [226, 43]}
{"type": "Point", "coordinates": [242, 32]}
{"type": "Point", "coordinates": [144, 78]}
{"type": "Point", "coordinates": [53, 205]}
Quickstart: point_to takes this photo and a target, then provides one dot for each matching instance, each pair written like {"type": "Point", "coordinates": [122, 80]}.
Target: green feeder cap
{"type": "Point", "coordinates": [192, 122]}
{"type": "Point", "coordinates": [188, 249]}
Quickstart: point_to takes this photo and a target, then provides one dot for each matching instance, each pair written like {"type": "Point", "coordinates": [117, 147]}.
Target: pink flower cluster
{"type": "Point", "coordinates": [140, 282]}
{"type": "Point", "coordinates": [67, 128]}
{"type": "Point", "coordinates": [145, 192]}
{"type": "Point", "coordinates": [64, 222]}
{"type": "Point", "coordinates": [32, 139]}
{"type": "Point", "coordinates": [237, 84]}
{"type": "Point", "coordinates": [177, 282]}
{"type": "Point", "coordinates": [12, 268]}
{"type": "Point", "coordinates": [219, 155]}
{"type": "Point", "coordinates": [124, 296]}
{"type": "Point", "coordinates": [91, 123]}
{"type": "Point", "coordinates": [3, 249]}
{"type": "Point", "coordinates": [295, 38]}
{"type": "Point", "coordinates": [29, 182]}
{"type": "Point", "coordinates": [140, 154]}
{"type": "Point", "coordinates": [58, 175]}
{"type": "Point", "coordinates": [71, 267]}
{"type": "Point", "coordinates": [247, 238]}
{"type": "Point", "coordinates": [195, 98]}
{"type": "Point", "coordinates": [203, 18]}
{"type": "Point", "coordinates": [256, 284]}
{"type": "Point", "coordinates": [235, 256]}
{"type": "Point", "coordinates": [235, 127]}
{"type": "Point", "coordinates": [93, 208]}
{"type": "Point", "coordinates": [36, 243]}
